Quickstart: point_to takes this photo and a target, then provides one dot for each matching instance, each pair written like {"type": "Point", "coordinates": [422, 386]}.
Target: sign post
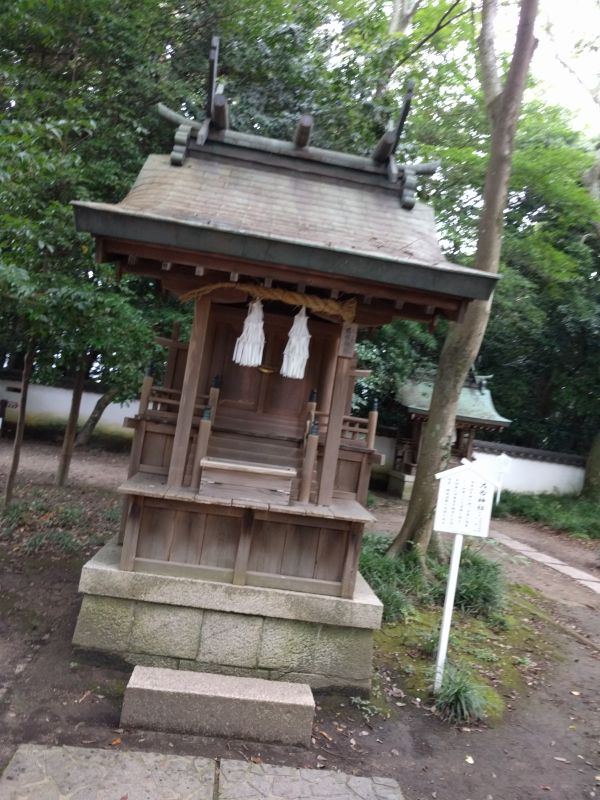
{"type": "Point", "coordinates": [464, 508]}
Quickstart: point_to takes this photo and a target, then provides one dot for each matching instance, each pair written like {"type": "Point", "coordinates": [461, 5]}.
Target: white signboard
{"type": "Point", "coordinates": [464, 502]}
{"type": "Point", "coordinates": [464, 508]}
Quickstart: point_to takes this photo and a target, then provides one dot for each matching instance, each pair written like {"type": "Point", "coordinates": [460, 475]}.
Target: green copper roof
{"type": "Point", "coordinates": [475, 404]}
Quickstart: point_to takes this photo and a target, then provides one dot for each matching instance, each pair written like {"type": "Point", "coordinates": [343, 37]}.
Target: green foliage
{"type": "Point", "coordinates": [400, 582]}
{"type": "Point", "coordinates": [480, 586]}
{"type": "Point", "coordinates": [569, 513]}
{"type": "Point", "coordinates": [366, 708]}
{"type": "Point", "coordinates": [59, 539]}
{"type": "Point", "coordinates": [392, 352]}
{"type": "Point", "coordinates": [396, 581]}
{"type": "Point", "coordinates": [79, 85]}
{"type": "Point", "coordinates": [461, 698]}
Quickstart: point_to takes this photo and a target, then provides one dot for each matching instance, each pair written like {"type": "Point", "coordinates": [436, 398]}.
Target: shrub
{"type": "Point", "coordinates": [461, 698]}
{"type": "Point", "coordinates": [400, 581]}
{"type": "Point", "coordinates": [386, 577]}
{"type": "Point", "coordinates": [480, 586]}
{"type": "Point", "coordinates": [569, 513]}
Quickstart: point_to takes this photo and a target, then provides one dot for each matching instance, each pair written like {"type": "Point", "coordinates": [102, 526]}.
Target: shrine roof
{"type": "Point", "coordinates": [475, 404]}
{"type": "Point", "coordinates": [237, 197]}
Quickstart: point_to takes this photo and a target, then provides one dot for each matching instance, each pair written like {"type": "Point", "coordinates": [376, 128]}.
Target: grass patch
{"type": "Point", "coordinates": [568, 513]}
{"type": "Point", "coordinates": [461, 698]}
{"type": "Point", "coordinates": [494, 651]}
{"type": "Point", "coordinates": [401, 583]}
{"type": "Point", "coordinates": [56, 522]}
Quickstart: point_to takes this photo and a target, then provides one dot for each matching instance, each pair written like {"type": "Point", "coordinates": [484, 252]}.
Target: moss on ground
{"type": "Point", "coordinates": [505, 658]}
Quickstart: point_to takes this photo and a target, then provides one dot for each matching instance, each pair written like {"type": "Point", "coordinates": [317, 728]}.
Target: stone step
{"type": "Point", "coordinates": [207, 704]}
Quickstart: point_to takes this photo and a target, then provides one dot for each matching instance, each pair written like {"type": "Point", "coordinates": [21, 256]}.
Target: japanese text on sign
{"type": "Point", "coordinates": [464, 504]}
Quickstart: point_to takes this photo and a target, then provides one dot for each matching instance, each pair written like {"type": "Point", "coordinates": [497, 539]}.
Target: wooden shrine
{"type": "Point", "coordinates": [476, 411]}
{"type": "Point", "coordinates": [239, 475]}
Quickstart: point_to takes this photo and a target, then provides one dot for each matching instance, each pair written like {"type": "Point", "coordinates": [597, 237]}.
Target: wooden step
{"type": "Point", "coordinates": [279, 428]}
{"type": "Point", "coordinates": [259, 480]}
{"type": "Point", "coordinates": [235, 454]}
{"type": "Point", "coordinates": [265, 444]}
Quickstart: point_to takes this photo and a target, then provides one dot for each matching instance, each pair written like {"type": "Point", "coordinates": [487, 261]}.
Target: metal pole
{"type": "Point", "coordinates": [447, 615]}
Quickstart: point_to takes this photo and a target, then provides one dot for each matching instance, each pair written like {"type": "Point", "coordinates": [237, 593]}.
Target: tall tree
{"type": "Point", "coordinates": [503, 102]}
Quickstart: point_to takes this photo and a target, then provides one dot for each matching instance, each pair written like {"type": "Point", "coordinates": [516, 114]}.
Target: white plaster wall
{"type": "Point", "coordinates": [526, 475]}
{"type": "Point", "coordinates": [387, 446]}
{"type": "Point", "coordinates": [51, 404]}
{"type": "Point", "coordinates": [529, 476]}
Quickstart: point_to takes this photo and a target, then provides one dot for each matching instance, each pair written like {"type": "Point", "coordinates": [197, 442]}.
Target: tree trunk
{"type": "Point", "coordinates": [85, 434]}
{"type": "Point", "coordinates": [16, 454]}
{"type": "Point", "coordinates": [591, 482]}
{"type": "Point", "coordinates": [463, 340]}
{"type": "Point", "coordinates": [71, 429]}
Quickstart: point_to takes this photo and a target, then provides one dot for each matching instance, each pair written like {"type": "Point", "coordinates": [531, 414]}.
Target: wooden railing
{"type": "Point", "coordinates": [160, 402]}
{"type": "Point", "coordinates": [358, 430]}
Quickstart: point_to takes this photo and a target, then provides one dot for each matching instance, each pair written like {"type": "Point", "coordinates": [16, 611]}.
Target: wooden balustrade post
{"type": "Point", "coordinates": [311, 410]}
{"type": "Point", "coordinates": [189, 392]}
{"type": "Point", "coordinates": [145, 394]}
{"type": "Point", "coordinates": [204, 430]}
{"type": "Point", "coordinates": [213, 398]}
{"type": "Point", "coordinates": [372, 428]}
{"type": "Point", "coordinates": [308, 464]}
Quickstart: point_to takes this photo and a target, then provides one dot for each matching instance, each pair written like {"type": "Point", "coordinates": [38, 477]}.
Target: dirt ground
{"type": "Point", "coordinates": [548, 744]}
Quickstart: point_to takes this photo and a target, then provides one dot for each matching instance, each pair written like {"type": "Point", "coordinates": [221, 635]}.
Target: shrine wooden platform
{"type": "Point", "coordinates": [234, 537]}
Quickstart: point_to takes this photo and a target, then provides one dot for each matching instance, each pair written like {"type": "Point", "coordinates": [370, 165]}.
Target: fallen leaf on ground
{"type": "Point", "coordinates": [116, 742]}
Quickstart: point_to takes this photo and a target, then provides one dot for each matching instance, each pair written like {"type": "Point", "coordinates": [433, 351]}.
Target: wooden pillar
{"type": "Point", "coordinates": [334, 431]}
{"type": "Point", "coordinates": [326, 393]}
{"type": "Point", "coordinates": [350, 568]}
{"type": "Point", "coordinates": [173, 349]}
{"type": "Point", "coordinates": [337, 411]}
{"type": "Point", "coordinates": [308, 466]}
{"type": "Point", "coordinates": [189, 391]}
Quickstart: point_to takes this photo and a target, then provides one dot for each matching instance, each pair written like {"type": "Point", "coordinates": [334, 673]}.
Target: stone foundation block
{"type": "Point", "coordinates": [165, 630]}
{"type": "Point", "coordinates": [230, 639]}
{"type": "Point", "coordinates": [218, 705]}
{"type": "Point", "coordinates": [346, 653]}
{"type": "Point", "coordinates": [104, 623]}
{"type": "Point", "coordinates": [288, 644]}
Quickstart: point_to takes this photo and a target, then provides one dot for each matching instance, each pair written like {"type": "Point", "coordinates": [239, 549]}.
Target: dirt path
{"type": "Point", "coordinates": [39, 463]}
{"type": "Point", "coordinates": [548, 745]}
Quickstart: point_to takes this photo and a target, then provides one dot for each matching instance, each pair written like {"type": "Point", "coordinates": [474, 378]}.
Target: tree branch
{"type": "Point", "coordinates": [490, 80]}
{"type": "Point", "coordinates": [401, 18]}
{"type": "Point", "coordinates": [443, 22]}
{"type": "Point", "coordinates": [525, 44]}
{"type": "Point", "coordinates": [595, 95]}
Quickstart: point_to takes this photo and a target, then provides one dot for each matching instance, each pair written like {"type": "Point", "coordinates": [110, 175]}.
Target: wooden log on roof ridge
{"type": "Point", "coordinates": [303, 130]}
{"type": "Point", "coordinates": [384, 147]}
{"type": "Point", "coordinates": [213, 66]}
{"type": "Point", "coordinates": [410, 88]}
{"type": "Point", "coordinates": [220, 112]}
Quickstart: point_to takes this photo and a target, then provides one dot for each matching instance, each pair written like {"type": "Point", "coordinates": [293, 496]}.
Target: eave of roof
{"type": "Point", "coordinates": [475, 406]}
{"type": "Point", "coordinates": [104, 219]}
